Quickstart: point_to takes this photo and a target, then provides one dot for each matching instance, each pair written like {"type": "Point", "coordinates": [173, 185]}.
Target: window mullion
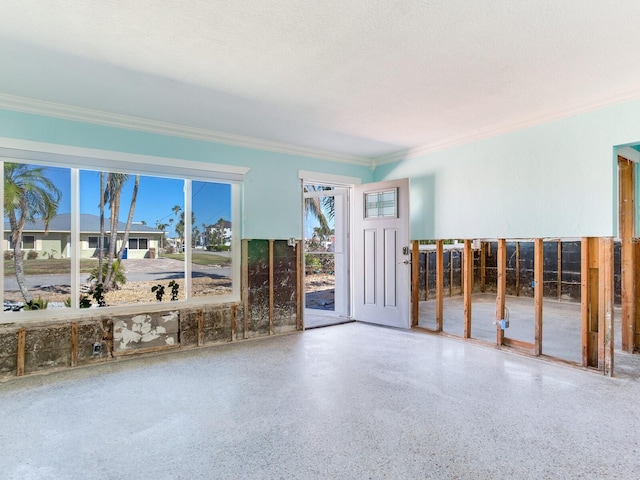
{"type": "Point", "coordinates": [75, 237]}
{"type": "Point", "coordinates": [187, 239]}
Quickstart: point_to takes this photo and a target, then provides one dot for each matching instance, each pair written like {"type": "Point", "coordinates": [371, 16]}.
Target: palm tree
{"type": "Point", "coordinates": [161, 226]}
{"type": "Point", "coordinates": [134, 196]}
{"type": "Point", "coordinates": [322, 208]}
{"type": "Point", "coordinates": [28, 194]}
{"type": "Point", "coordinates": [102, 231]}
{"type": "Point", "coordinates": [113, 189]}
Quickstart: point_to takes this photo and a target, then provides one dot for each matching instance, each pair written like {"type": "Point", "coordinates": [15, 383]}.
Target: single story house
{"type": "Point", "coordinates": [55, 241]}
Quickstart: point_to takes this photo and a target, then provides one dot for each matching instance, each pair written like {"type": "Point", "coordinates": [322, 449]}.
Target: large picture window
{"type": "Point", "coordinates": [137, 238]}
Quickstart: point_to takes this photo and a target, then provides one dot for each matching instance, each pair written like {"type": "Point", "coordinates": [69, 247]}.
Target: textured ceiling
{"type": "Point", "coordinates": [358, 78]}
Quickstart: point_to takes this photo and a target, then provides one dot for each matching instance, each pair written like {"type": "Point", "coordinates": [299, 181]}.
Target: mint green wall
{"type": "Point", "coordinates": [555, 179]}
{"type": "Point", "coordinates": [272, 197]}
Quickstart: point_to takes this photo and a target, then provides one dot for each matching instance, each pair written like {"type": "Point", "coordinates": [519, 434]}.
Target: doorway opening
{"type": "Point", "coordinates": [326, 259]}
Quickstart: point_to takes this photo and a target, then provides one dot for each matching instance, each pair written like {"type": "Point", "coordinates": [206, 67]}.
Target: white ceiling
{"type": "Point", "coordinates": [351, 78]}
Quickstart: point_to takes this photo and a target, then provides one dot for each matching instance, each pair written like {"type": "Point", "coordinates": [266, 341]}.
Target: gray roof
{"type": "Point", "coordinates": [88, 224]}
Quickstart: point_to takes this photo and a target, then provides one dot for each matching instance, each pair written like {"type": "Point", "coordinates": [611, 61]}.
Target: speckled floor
{"type": "Point", "coordinates": [349, 401]}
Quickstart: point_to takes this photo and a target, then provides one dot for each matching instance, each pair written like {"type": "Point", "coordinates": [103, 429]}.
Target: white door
{"type": "Point", "coordinates": [381, 255]}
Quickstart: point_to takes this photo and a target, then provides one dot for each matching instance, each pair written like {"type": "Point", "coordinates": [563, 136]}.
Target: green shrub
{"type": "Point", "coordinates": [312, 263]}
{"type": "Point", "coordinates": [98, 295]}
{"type": "Point", "coordinates": [8, 255]}
{"type": "Point", "coordinates": [173, 285]}
{"type": "Point", "coordinates": [39, 304]}
{"type": "Point", "coordinates": [220, 248]}
{"type": "Point", "coordinates": [85, 301]}
{"type": "Point", "coordinates": [32, 255]}
{"type": "Point", "coordinates": [159, 291]}
{"type": "Point", "coordinates": [119, 278]}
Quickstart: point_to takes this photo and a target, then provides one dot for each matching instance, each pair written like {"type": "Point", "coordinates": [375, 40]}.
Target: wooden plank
{"type": "Point", "coordinates": [245, 286]}
{"type": "Point", "coordinates": [415, 282]}
{"type": "Point", "coordinates": [502, 288]}
{"type": "Point", "coordinates": [605, 329]}
{"type": "Point", "coordinates": [271, 287]}
{"type": "Point", "coordinates": [135, 351]}
{"type": "Point", "coordinates": [22, 339]}
{"type": "Point", "coordinates": [626, 215]}
{"type": "Point", "coordinates": [559, 269]}
{"type": "Point", "coordinates": [520, 345]}
{"type": "Point", "coordinates": [483, 266]}
{"type": "Point", "coordinates": [299, 284]}
{"type": "Point", "coordinates": [74, 344]}
{"type": "Point", "coordinates": [467, 288]}
{"type": "Point", "coordinates": [517, 269]}
{"type": "Point", "coordinates": [538, 290]}
{"type": "Point", "coordinates": [200, 328]}
{"type": "Point", "coordinates": [439, 285]}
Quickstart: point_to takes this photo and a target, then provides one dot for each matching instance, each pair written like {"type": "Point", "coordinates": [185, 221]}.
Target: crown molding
{"type": "Point", "coordinates": [538, 118]}
{"type": "Point", "coordinates": [68, 112]}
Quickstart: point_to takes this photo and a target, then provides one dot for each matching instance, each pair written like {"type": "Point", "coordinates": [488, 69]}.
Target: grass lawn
{"type": "Point", "coordinates": [201, 258]}
{"type": "Point", "coordinates": [48, 266]}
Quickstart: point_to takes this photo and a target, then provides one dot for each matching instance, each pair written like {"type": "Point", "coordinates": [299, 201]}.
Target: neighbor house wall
{"type": "Point", "coordinates": [556, 179]}
{"type": "Point", "coordinates": [272, 203]}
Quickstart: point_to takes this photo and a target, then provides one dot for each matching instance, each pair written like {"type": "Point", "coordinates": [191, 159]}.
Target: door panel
{"type": "Point", "coordinates": [381, 279]}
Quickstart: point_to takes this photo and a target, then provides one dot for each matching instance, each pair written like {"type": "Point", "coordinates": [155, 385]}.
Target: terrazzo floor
{"type": "Point", "coordinates": [348, 401]}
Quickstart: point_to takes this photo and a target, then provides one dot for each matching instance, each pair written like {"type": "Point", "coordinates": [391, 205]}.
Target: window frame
{"type": "Point", "coordinates": [137, 240]}
{"type": "Point", "coordinates": [80, 158]}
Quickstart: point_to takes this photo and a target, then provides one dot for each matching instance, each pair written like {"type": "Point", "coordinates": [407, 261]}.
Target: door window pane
{"type": "Point", "coordinates": [380, 204]}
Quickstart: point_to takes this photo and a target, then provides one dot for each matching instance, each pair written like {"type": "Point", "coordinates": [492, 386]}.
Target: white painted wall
{"type": "Point", "coordinates": [552, 180]}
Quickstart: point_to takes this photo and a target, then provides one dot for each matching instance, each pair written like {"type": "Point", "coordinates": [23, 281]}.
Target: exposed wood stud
{"type": "Point", "coordinates": [271, 286]}
{"type": "Point", "coordinates": [74, 344]}
{"type": "Point", "coordinates": [450, 273]}
{"type": "Point", "coordinates": [502, 289]}
{"type": "Point", "coordinates": [245, 287]}
{"type": "Point", "coordinates": [467, 274]}
{"type": "Point", "coordinates": [415, 282]}
{"type": "Point", "coordinates": [200, 315]}
{"type": "Point", "coordinates": [439, 285]}
{"type": "Point", "coordinates": [234, 322]}
{"type": "Point", "coordinates": [605, 329]}
{"type": "Point", "coordinates": [636, 260]}
{"type": "Point", "coordinates": [22, 338]}
{"type": "Point", "coordinates": [483, 265]}
{"type": "Point", "coordinates": [559, 269]}
{"type": "Point", "coordinates": [538, 290]}
{"type": "Point", "coordinates": [517, 269]}
{"type": "Point", "coordinates": [590, 298]}
{"type": "Point", "coordinates": [426, 275]}
{"type": "Point", "coordinates": [626, 212]}
{"type": "Point", "coordinates": [299, 284]}
{"type": "Point", "coordinates": [584, 299]}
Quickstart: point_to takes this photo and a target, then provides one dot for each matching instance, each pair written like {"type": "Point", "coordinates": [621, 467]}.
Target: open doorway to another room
{"type": "Point", "coordinates": [326, 259]}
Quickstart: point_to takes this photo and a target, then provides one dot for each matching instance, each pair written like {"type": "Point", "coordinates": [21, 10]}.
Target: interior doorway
{"type": "Point", "coordinates": [326, 255]}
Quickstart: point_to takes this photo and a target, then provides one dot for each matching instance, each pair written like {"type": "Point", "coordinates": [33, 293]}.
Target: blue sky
{"type": "Point", "coordinates": [156, 197]}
